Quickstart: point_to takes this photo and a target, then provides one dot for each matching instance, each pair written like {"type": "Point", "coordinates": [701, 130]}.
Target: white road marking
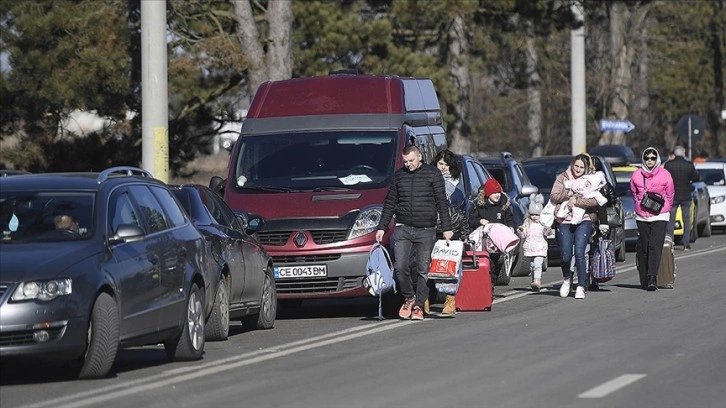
{"type": "Point", "coordinates": [611, 386]}
{"type": "Point", "coordinates": [171, 377]}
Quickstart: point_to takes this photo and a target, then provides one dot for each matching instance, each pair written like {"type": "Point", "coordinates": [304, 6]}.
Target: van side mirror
{"type": "Point", "coordinates": [216, 184]}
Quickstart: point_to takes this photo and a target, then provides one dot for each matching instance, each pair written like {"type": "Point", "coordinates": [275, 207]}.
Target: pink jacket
{"type": "Point", "coordinates": [657, 181]}
{"type": "Point", "coordinates": [534, 235]}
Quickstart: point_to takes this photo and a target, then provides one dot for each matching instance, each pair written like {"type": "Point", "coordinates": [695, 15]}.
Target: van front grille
{"type": "Point", "coordinates": [317, 286]}
{"type": "Point", "coordinates": [320, 237]}
{"type": "Point", "coordinates": [296, 259]}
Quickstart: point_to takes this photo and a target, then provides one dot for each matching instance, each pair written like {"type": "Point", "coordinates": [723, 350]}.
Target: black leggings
{"type": "Point", "coordinates": [651, 236]}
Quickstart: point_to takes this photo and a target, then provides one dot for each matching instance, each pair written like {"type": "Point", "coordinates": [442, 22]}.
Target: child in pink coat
{"type": "Point", "coordinates": [534, 235]}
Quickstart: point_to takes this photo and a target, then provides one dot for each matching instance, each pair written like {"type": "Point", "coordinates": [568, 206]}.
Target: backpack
{"type": "Point", "coordinates": [602, 264]}
{"type": "Point", "coordinates": [379, 274]}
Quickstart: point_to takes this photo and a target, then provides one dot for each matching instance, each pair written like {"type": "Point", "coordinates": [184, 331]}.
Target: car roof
{"type": "Point", "coordinates": [75, 181]}
{"type": "Point", "coordinates": [710, 165]}
{"type": "Point", "coordinates": [550, 159]}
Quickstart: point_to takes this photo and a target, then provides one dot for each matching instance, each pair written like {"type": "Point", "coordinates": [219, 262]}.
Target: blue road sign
{"type": "Point", "coordinates": [610, 125]}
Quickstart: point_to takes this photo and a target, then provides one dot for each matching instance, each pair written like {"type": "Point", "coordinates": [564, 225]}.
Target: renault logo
{"type": "Point", "coordinates": [300, 239]}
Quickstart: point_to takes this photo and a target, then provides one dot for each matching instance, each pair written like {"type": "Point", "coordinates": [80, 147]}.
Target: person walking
{"type": "Point", "coordinates": [651, 178]}
{"type": "Point", "coordinates": [417, 197]}
{"type": "Point", "coordinates": [492, 206]}
{"type": "Point", "coordinates": [574, 238]}
{"type": "Point", "coordinates": [534, 235]}
{"type": "Point", "coordinates": [448, 163]}
{"type": "Point", "coordinates": [684, 174]}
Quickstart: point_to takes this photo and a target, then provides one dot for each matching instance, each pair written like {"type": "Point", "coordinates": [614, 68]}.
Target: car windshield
{"type": "Point", "coordinates": [543, 174]}
{"type": "Point", "coordinates": [335, 160]}
{"type": "Point", "coordinates": [712, 177]}
{"type": "Point", "coordinates": [46, 215]}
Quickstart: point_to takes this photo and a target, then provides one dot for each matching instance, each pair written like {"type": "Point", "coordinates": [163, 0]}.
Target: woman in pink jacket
{"type": "Point", "coordinates": [651, 227]}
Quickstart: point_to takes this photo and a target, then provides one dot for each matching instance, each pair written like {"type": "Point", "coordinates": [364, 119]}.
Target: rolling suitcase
{"type": "Point", "coordinates": [667, 269]}
{"type": "Point", "coordinates": [475, 289]}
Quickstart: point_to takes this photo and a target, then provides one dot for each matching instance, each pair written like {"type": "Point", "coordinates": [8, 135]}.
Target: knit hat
{"type": "Point", "coordinates": [536, 203]}
{"type": "Point", "coordinates": [492, 186]}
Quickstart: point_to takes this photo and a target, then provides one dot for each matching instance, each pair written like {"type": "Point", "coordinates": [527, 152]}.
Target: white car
{"type": "Point", "coordinates": [714, 175]}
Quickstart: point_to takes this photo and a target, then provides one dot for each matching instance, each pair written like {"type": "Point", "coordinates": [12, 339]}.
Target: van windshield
{"type": "Point", "coordinates": [316, 161]}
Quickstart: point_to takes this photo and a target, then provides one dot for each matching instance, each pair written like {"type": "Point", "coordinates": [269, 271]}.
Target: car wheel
{"type": "Point", "coordinates": [189, 344]}
{"type": "Point", "coordinates": [705, 230]}
{"type": "Point", "coordinates": [694, 233]}
{"type": "Point", "coordinates": [521, 267]}
{"type": "Point", "coordinates": [505, 272]}
{"type": "Point", "coordinates": [620, 254]}
{"type": "Point", "coordinates": [265, 318]}
{"type": "Point", "coordinates": [217, 327]}
{"type": "Point", "coordinates": [103, 338]}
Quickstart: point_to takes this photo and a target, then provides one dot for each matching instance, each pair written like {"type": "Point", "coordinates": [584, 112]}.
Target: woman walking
{"type": "Point", "coordinates": [573, 238]}
{"type": "Point", "coordinates": [654, 180]}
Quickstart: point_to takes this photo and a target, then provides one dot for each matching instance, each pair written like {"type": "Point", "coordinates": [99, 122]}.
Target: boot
{"type": "Point", "coordinates": [536, 285]}
{"type": "Point", "coordinates": [427, 307]}
{"type": "Point", "coordinates": [449, 305]}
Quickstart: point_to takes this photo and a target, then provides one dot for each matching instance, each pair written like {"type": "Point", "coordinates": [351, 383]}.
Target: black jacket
{"type": "Point", "coordinates": [683, 173]}
{"type": "Point", "coordinates": [500, 212]}
{"type": "Point", "coordinates": [417, 198]}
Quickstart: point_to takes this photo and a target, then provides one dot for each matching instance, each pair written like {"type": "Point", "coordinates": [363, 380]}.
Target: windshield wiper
{"type": "Point", "coordinates": [270, 188]}
{"type": "Point", "coordinates": [316, 189]}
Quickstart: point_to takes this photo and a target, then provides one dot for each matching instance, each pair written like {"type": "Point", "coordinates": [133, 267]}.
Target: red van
{"type": "Point", "coordinates": [315, 158]}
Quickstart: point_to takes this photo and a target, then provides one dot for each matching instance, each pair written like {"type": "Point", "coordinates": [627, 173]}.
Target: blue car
{"type": "Point", "coordinates": [94, 262]}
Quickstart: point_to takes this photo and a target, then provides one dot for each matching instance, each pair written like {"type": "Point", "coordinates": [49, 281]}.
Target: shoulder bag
{"type": "Point", "coordinates": [651, 202]}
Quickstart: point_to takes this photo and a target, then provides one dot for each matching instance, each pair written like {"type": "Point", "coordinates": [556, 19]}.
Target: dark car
{"type": "Point", "coordinates": [237, 270]}
{"type": "Point", "coordinates": [515, 183]}
{"type": "Point", "coordinates": [8, 172]}
{"type": "Point", "coordinates": [94, 262]}
{"type": "Point", "coordinates": [543, 171]}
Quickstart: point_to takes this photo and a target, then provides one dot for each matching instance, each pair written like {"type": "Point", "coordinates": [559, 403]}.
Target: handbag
{"type": "Point", "coordinates": [446, 259]}
{"type": "Point", "coordinates": [613, 219]}
{"type": "Point", "coordinates": [547, 216]}
{"type": "Point", "coordinates": [651, 202]}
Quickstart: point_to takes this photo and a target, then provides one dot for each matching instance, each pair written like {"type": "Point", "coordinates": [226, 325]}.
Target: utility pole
{"type": "Point", "coordinates": [154, 105]}
{"type": "Point", "coordinates": [577, 78]}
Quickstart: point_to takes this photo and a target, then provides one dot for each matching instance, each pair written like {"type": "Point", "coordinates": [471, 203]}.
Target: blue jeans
{"type": "Point", "coordinates": [409, 240]}
{"type": "Point", "coordinates": [686, 213]}
{"type": "Point", "coordinates": [574, 237]}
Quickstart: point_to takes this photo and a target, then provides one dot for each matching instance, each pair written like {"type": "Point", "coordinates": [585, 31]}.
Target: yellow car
{"type": "Point", "coordinates": [623, 175]}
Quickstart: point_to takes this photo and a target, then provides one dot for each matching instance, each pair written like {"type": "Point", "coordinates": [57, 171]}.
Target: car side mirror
{"type": "Point", "coordinates": [255, 224]}
{"type": "Point", "coordinates": [527, 190]}
{"type": "Point", "coordinates": [127, 233]}
{"type": "Point", "coordinates": [216, 184]}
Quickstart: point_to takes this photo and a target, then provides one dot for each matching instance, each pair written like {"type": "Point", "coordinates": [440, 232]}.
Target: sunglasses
{"type": "Point", "coordinates": [650, 157]}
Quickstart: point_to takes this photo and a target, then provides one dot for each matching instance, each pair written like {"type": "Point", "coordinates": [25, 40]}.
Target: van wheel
{"type": "Point", "coordinates": [189, 344]}
{"type": "Point", "coordinates": [505, 270]}
{"type": "Point", "coordinates": [217, 327]}
{"type": "Point", "coordinates": [521, 267]}
{"type": "Point", "coordinates": [265, 318]}
{"type": "Point", "coordinates": [620, 255]}
{"type": "Point", "coordinates": [103, 338]}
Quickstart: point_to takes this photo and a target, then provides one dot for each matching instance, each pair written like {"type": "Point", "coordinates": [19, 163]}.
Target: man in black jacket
{"type": "Point", "coordinates": [417, 197]}
{"type": "Point", "coordinates": [684, 173]}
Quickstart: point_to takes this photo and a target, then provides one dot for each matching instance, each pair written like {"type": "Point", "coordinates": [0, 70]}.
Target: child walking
{"type": "Point", "coordinates": [534, 236]}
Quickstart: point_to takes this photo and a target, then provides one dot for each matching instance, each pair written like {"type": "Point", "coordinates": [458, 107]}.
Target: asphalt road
{"type": "Point", "coordinates": [620, 347]}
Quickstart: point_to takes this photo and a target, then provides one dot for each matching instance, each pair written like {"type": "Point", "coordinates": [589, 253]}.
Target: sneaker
{"type": "Point", "coordinates": [652, 284]}
{"type": "Point", "coordinates": [405, 312]}
{"type": "Point", "coordinates": [580, 292]}
{"type": "Point", "coordinates": [565, 288]}
{"type": "Point", "coordinates": [536, 285]}
{"type": "Point", "coordinates": [687, 248]}
{"type": "Point", "coordinates": [417, 313]}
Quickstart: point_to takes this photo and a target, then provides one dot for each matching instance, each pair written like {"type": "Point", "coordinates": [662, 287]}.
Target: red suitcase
{"type": "Point", "coordinates": [475, 290]}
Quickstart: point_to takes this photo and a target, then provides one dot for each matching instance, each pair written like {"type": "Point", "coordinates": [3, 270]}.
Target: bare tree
{"type": "Point", "coordinates": [458, 54]}
{"type": "Point", "coordinates": [270, 58]}
{"type": "Point", "coordinates": [625, 24]}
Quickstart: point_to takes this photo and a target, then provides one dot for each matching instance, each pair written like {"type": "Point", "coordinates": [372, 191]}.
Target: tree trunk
{"type": "Point", "coordinates": [277, 63]}
{"type": "Point", "coordinates": [534, 100]}
{"type": "Point", "coordinates": [459, 130]}
{"type": "Point", "coordinates": [624, 26]}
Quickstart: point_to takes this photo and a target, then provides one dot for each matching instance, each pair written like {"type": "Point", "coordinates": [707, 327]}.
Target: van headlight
{"type": "Point", "coordinates": [42, 290]}
{"type": "Point", "coordinates": [718, 199]}
{"type": "Point", "coordinates": [366, 222]}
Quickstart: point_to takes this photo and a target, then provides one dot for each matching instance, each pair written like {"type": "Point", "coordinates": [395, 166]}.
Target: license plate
{"type": "Point", "coordinates": [296, 272]}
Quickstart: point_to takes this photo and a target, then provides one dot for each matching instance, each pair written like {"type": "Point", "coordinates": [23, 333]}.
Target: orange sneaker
{"type": "Point", "coordinates": [417, 313]}
{"type": "Point", "coordinates": [405, 312]}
